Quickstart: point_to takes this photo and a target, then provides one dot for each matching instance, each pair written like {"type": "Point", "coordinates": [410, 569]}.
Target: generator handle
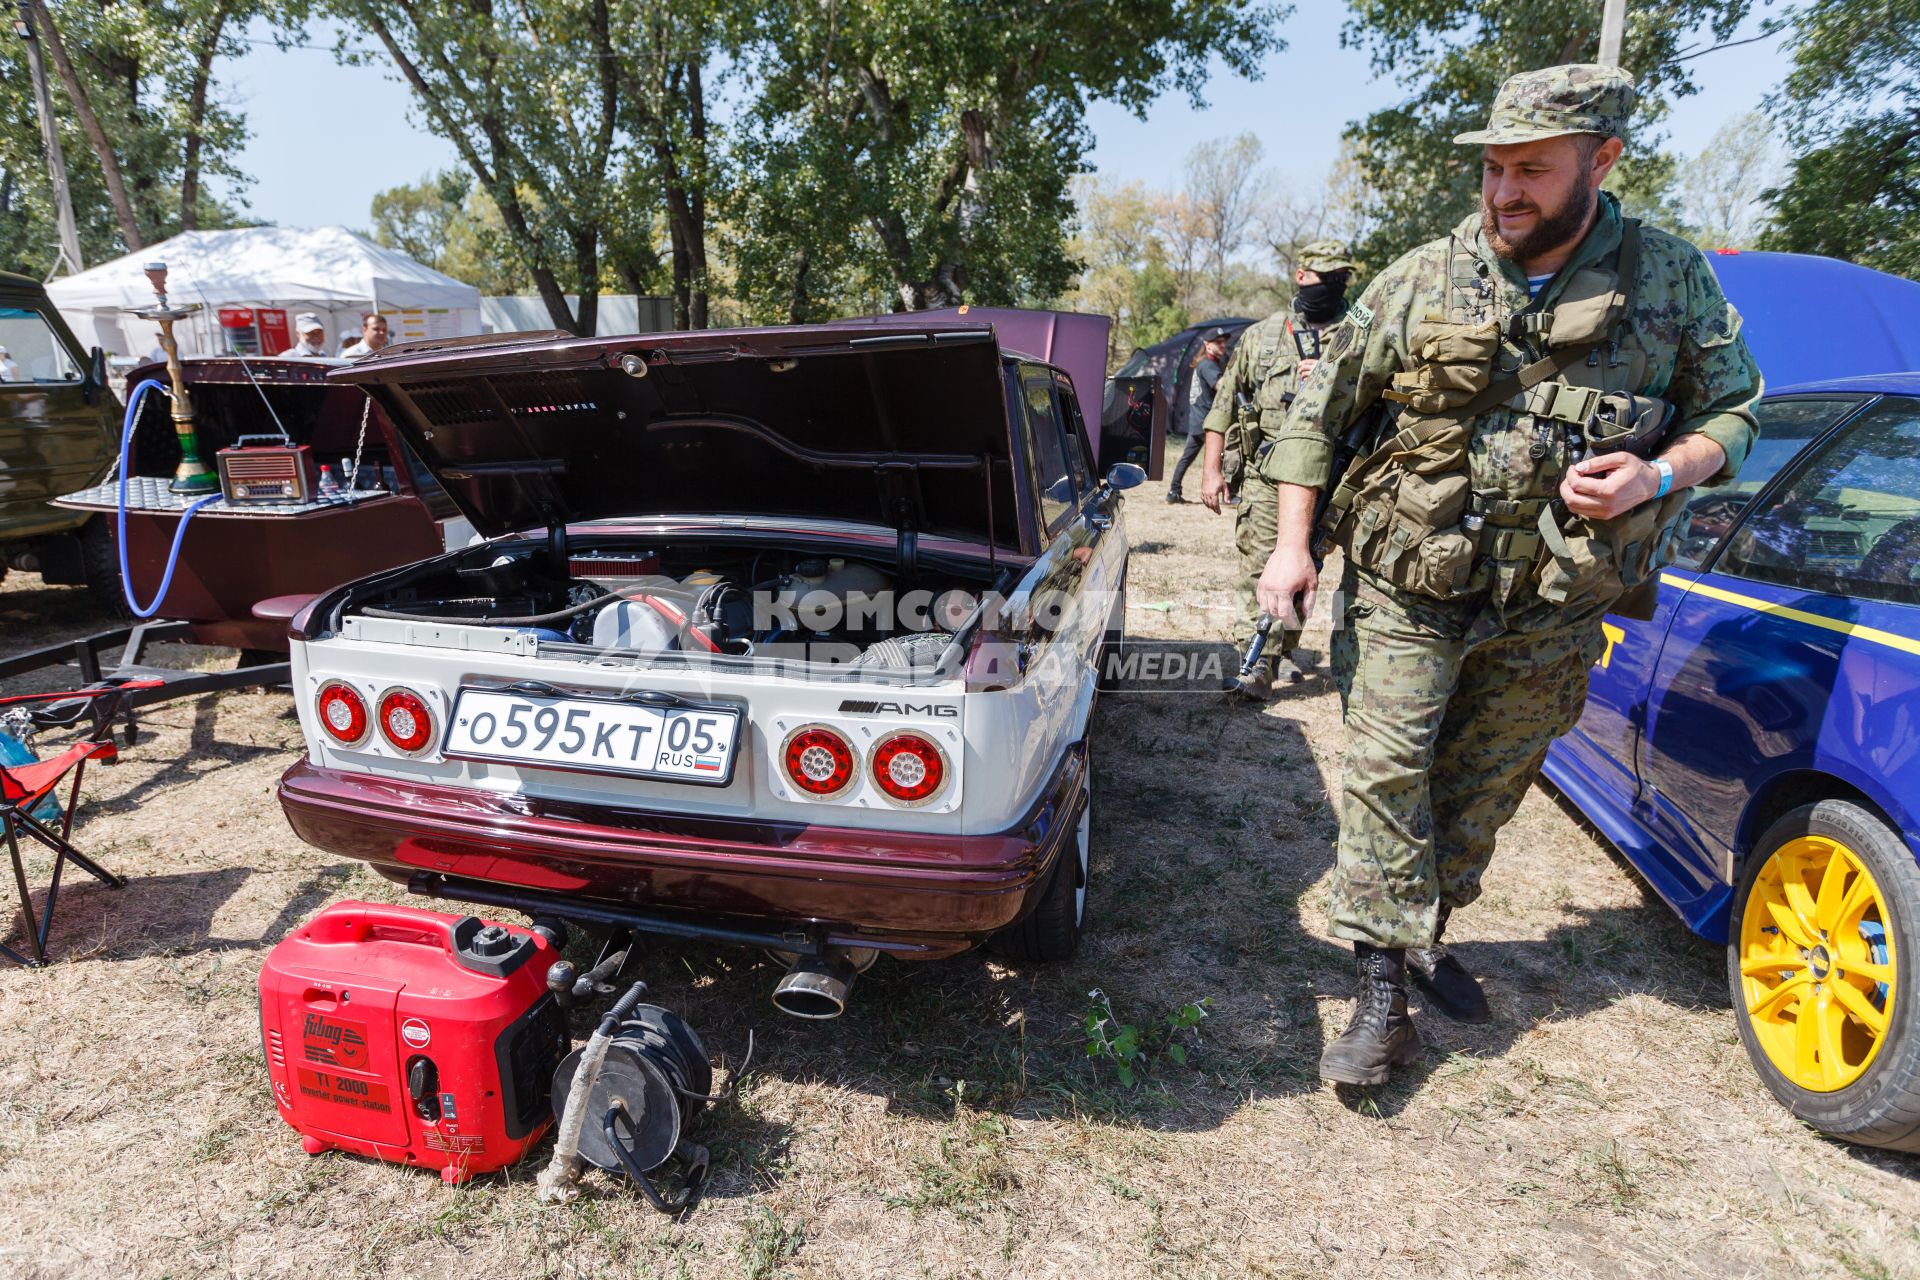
{"type": "Point", "coordinates": [404, 923]}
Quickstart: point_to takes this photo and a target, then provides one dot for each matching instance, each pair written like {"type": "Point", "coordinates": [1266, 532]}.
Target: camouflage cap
{"type": "Point", "coordinates": [1325, 255]}
{"type": "Point", "coordinates": [1555, 101]}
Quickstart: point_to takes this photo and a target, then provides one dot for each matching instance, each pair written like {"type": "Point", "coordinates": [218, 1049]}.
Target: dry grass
{"type": "Point", "coordinates": [951, 1125]}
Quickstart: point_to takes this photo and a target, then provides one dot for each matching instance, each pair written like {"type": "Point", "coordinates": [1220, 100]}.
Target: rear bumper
{"type": "Point", "coordinates": [905, 893]}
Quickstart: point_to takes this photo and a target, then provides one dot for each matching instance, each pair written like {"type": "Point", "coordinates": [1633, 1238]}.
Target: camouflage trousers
{"type": "Point", "coordinates": [1256, 524]}
{"type": "Point", "coordinates": [1448, 715]}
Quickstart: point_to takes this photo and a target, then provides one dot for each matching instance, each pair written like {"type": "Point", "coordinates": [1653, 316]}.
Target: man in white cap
{"type": "Point", "coordinates": [313, 338]}
{"type": "Point", "coordinates": [9, 371]}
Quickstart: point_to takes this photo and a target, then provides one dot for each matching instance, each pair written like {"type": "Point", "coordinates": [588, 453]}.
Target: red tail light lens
{"type": "Point", "coordinates": [911, 769]}
{"type": "Point", "coordinates": [343, 714]}
{"type": "Point", "coordinates": [818, 760]}
{"type": "Point", "coordinates": [406, 721]}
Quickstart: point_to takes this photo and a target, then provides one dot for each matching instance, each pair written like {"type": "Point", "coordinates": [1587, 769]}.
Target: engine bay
{"type": "Point", "coordinates": [714, 601]}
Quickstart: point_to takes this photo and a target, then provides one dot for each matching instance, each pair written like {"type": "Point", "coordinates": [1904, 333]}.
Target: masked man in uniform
{"type": "Point", "coordinates": [1259, 383]}
{"type": "Point", "coordinates": [1555, 378]}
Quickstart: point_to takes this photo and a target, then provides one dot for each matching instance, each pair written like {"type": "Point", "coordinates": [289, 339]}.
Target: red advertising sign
{"type": "Point", "coordinates": [274, 337]}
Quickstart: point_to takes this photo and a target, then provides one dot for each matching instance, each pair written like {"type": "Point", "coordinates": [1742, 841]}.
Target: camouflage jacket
{"type": "Point", "coordinates": [1682, 344]}
{"type": "Point", "coordinates": [1263, 368]}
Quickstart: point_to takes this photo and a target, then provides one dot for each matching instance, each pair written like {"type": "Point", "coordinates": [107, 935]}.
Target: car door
{"type": "Point", "coordinates": [1794, 648]}
{"type": "Point", "coordinates": [55, 437]}
{"type": "Point", "coordinates": [1606, 741]}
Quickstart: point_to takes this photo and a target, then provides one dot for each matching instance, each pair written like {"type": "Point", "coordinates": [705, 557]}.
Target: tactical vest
{"type": "Point", "coordinates": [1449, 505]}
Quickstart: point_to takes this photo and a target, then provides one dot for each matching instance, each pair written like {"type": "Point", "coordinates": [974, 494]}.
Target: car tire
{"type": "Point", "coordinates": [1113, 645]}
{"type": "Point", "coordinates": [1825, 974]}
{"type": "Point", "coordinates": [1050, 933]}
{"type": "Point", "coordinates": [100, 563]}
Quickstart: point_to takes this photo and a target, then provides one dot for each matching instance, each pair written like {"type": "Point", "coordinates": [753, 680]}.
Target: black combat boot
{"type": "Point", "coordinates": [1382, 1034]}
{"type": "Point", "coordinates": [1453, 990]}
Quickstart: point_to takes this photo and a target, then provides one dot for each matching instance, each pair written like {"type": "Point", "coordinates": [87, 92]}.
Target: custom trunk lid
{"type": "Point", "coordinates": [904, 427]}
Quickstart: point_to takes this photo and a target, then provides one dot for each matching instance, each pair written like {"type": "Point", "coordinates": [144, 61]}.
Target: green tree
{"type": "Point", "coordinates": [1123, 266]}
{"type": "Point", "coordinates": [1726, 182]}
{"type": "Point", "coordinates": [1451, 56]}
{"type": "Point", "coordinates": [904, 154]}
{"type": "Point", "coordinates": [529, 96]}
{"type": "Point", "coordinates": [449, 224]}
{"type": "Point", "coordinates": [1851, 110]}
{"type": "Point", "coordinates": [677, 157]}
{"type": "Point", "coordinates": [141, 121]}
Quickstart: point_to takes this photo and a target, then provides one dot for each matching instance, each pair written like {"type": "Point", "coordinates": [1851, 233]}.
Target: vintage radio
{"type": "Point", "coordinates": [275, 471]}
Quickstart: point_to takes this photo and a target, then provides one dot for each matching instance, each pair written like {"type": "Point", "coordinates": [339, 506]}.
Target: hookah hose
{"type": "Point", "coordinates": [173, 555]}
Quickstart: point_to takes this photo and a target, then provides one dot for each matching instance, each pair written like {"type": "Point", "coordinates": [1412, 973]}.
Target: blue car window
{"type": "Point", "coordinates": [1849, 522]}
{"type": "Point", "coordinates": [1787, 426]}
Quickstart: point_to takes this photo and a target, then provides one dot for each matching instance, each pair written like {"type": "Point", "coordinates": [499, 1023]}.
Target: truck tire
{"type": "Point", "coordinates": [1823, 959]}
{"type": "Point", "coordinates": [100, 561]}
{"type": "Point", "coordinates": [1050, 933]}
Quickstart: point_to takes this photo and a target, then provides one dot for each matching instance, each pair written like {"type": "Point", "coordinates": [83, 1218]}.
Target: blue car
{"type": "Point", "coordinates": [1754, 749]}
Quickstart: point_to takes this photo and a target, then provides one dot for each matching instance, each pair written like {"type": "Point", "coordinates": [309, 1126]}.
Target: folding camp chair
{"type": "Point", "coordinates": [25, 786]}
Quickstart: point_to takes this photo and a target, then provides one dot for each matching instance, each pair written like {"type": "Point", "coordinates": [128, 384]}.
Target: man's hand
{"type": "Point", "coordinates": [1213, 489]}
{"type": "Point", "coordinates": [1306, 366]}
{"type": "Point", "coordinates": [1608, 485]}
{"type": "Point", "coordinates": [1289, 574]}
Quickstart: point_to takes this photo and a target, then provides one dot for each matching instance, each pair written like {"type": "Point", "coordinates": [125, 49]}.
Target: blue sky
{"type": "Point", "coordinates": [327, 137]}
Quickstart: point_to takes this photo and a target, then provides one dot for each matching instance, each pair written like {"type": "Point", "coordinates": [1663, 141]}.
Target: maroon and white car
{"type": "Point", "coordinates": [786, 638]}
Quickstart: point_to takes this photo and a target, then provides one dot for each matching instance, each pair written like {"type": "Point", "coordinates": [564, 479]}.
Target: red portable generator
{"type": "Point", "coordinates": [413, 1036]}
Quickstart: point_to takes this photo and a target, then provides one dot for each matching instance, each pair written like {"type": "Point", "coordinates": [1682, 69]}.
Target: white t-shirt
{"type": "Point", "coordinates": [357, 350]}
{"type": "Point", "coordinates": [303, 350]}
{"type": "Point", "coordinates": [9, 371]}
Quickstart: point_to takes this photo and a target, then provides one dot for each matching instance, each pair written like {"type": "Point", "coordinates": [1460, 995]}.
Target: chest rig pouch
{"type": "Point", "coordinates": [1406, 511]}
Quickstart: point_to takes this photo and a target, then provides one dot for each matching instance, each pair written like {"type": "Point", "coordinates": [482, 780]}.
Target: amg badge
{"type": "Point", "coordinates": [861, 707]}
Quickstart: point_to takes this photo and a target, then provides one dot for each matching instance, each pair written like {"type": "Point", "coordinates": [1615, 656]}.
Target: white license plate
{"type": "Point", "coordinates": [681, 744]}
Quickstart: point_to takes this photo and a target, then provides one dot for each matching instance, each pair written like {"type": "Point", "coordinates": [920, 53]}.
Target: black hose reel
{"type": "Point", "coordinates": [651, 1078]}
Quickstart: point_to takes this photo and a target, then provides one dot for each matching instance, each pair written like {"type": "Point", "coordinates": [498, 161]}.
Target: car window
{"type": "Point", "coordinates": [1787, 426]}
{"type": "Point", "coordinates": [1848, 522]}
{"type": "Point", "coordinates": [1079, 451]}
{"type": "Point", "coordinates": [1049, 457]}
{"type": "Point", "coordinates": [33, 352]}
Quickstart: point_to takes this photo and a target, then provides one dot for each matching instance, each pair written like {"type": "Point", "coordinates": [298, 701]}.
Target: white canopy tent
{"type": "Point", "coordinates": [326, 270]}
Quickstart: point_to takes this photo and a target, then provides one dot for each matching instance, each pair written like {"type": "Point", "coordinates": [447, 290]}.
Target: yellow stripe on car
{"type": "Point", "coordinates": [1855, 630]}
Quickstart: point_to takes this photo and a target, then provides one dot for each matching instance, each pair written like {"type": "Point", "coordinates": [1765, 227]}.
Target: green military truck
{"type": "Point", "coordinates": [59, 431]}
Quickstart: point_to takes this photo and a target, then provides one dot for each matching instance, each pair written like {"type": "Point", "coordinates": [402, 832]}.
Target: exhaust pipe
{"type": "Point", "coordinates": [816, 987]}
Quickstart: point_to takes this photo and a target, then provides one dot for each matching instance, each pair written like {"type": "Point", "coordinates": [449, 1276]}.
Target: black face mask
{"type": "Point", "coordinates": [1321, 300]}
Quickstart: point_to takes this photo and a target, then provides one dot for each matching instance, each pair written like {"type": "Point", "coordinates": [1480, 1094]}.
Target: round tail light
{"type": "Point", "coordinates": [406, 721]}
{"type": "Point", "coordinates": [818, 760]}
{"type": "Point", "coordinates": [909, 768]}
{"type": "Point", "coordinates": [343, 714]}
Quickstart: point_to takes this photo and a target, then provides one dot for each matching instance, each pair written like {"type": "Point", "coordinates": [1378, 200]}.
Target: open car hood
{"type": "Point", "coordinates": [904, 427]}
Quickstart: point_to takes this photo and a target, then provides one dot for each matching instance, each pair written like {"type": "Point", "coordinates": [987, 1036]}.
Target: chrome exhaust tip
{"type": "Point", "coordinates": [816, 987]}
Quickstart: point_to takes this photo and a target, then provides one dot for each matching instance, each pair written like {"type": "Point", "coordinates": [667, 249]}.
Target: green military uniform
{"type": "Point", "coordinates": [1472, 599]}
{"type": "Point", "coordinates": [1261, 379]}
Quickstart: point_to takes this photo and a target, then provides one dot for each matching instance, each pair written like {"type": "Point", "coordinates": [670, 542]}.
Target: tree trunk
{"type": "Point", "coordinates": [586, 265]}
{"type": "Point", "coordinates": [196, 117]}
{"type": "Point", "coordinates": [90, 124]}
{"type": "Point", "coordinates": [697, 200]}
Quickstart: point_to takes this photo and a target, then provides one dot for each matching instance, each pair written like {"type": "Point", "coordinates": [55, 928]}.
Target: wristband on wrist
{"type": "Point", "coordinates": [1665, 469]}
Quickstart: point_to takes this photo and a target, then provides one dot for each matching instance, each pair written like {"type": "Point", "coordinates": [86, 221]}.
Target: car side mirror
{"type": "Point", "coordinates": [96, 380]}
{"type": "Point", "coordinates": [1126, 475]}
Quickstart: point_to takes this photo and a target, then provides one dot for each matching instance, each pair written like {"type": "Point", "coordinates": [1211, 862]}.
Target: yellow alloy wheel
{"type": "Point", "coordinates": [1817, 963]}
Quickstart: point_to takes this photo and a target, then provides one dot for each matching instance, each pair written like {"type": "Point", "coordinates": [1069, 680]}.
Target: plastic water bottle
{"type": "Point", "coordinates": [329, 487]}
{"type": "Point", "coordinates": [15, 752]}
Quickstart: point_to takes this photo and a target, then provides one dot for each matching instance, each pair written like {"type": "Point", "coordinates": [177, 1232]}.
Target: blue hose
{"type": "Point", "coordinates": [179, 534]}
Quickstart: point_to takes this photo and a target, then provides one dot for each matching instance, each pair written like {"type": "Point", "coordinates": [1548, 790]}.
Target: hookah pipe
{"type": "Point", "coordinates": [192, 475]}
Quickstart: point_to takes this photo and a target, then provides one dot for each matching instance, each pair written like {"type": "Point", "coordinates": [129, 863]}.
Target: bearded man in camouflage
{"type": "Point", "coordinates": [1555, 379]}
{"type": "Point", "coordinates": [1259, 384]}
